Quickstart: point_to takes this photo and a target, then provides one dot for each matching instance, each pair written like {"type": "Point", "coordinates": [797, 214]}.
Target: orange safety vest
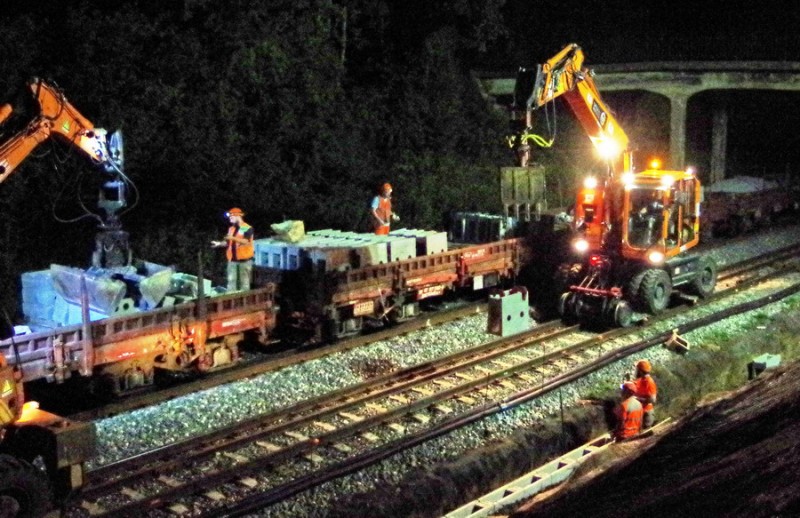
{"type": "Point", "coordinates": [629, 418]}
{"type": "Point", "coordinates": [238, 251]}
{"type": "Point", "coordinates": [384, 212]}
{"type": "Point", "coordinates": [645, 389]}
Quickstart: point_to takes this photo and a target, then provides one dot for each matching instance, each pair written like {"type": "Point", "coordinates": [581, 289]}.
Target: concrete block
{"type": "Point", "coordinates": [508, 312]}
{"type": "Point", "coordinates": [329, 258]}
{"type": "Point", "coordinates": [68, 314]}
{"type": "Point", "coordinates": [186, 285]}
{"type": "Point", "coordinates": [371, 253]}
{"type": "Point", "coordinates": [428, 241]}
{"type": "Point", "coordinates": [398, 247]}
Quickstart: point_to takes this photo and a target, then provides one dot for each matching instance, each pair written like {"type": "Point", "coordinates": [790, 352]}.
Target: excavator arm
{"type": "Point", "coordinates": [56, 116]}
{"type": "Point", "coordinates": [564, 75]}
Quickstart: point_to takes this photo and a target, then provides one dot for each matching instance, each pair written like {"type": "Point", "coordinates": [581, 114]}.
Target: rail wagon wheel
{"type": "Point", "coordinates": [567, 309]}
{"type": "Point", "coordinates": [23, 488]}
{"type": "Point", "coordinates": [619, 313]}
{"type": "Point", "coordinates": [654, 291]}
{"type": "Point", "coordinates": [205, 362]}
{"type": "Point", "coordinates": [703, 285]}
{"type": "Point", "coordinates": [631, 291]}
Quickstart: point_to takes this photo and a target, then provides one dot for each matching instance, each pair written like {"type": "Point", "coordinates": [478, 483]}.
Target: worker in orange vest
{"type": "Point", "coordinates": [646, 391]}
{"type": "Point", "coordinates": [239, 251]}
{"type": "Point", "coordinates": [628, 413]}
{"type": "Point", "coordinates": [381, 210]}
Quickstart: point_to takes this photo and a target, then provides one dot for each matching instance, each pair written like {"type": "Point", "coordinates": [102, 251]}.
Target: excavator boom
{"type": "Point", "coordinates": [564, 75]}
{"type": "Point", "coordinates": [56, 116]}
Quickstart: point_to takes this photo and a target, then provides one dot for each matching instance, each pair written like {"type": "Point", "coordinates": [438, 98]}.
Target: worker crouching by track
{"type": "Point", "coordinates": [628, 413]}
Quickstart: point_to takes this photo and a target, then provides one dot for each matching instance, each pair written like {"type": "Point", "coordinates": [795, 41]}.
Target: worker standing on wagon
{"type": "Point", "coordinates": [628, 413]}
{"type": "Point", "coordinates": [381, 210]}
{"type": "Point", "coordinates": [239, 252]}
{"type": "Point", "coordinates": [646, 391]}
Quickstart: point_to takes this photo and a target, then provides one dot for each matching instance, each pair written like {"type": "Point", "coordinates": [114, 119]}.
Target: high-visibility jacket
{"type": "Point", "coordinates": [383, 210]}
{"type": "Point", "coordinates": [237, 251]}
{"type": "Point", "coordinates": [629, 418]}
{"type": "Point", "coordinates": [646, 391]}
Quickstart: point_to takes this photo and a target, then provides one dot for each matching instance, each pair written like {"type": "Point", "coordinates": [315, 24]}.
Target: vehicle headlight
{"type": "Point", "coordinates": [580, 245]}
{"type": "Point", "coordinates": [655, 257]}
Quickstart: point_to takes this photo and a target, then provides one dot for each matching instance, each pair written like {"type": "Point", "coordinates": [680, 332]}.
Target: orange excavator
{"type": "Point", "coordinates": [42, 455]}
{"type": "Point", "coordinates": [57, 117]}
{"type": "Point", "coordinates": [634, 229]}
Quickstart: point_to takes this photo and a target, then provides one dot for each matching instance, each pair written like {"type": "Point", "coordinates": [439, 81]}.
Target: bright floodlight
{"type": "Point", "coordinates": [608, 148]}
{"type": "Point", "coordinates": [655, 163]}
{"type": "Point", "coordinates": [581, 245]}
{"type": "Point", "coordinates": [628, 178]}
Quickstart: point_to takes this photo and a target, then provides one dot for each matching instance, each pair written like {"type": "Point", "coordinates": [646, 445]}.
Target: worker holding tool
{"type": "Point", "coordinates": [646, 391]}
{"type": "Point", "coordinates": [381, 210]}
{"type": "Point", "coordinates": [240, 251]}
{"type": "Point", "coordinates": [628, 413]}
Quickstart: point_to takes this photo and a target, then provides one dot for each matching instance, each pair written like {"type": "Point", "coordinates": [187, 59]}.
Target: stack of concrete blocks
{"type": "Point", "coordinates": [104, 294]}
{"type": "Point", "coordinates": [508, 312]}
{"type": "Point", "coordinates": [326, 254]}
{"type": "Point", "coordinates": [267, 253]}
{"type": "Point", "coordinates": [336, 250]}
{"type": "Point", "coordinates": [327, 250]}
{"type": "Point", "coordinates": [274, 253]}
{"type": "Point", "coordinates": [363, 249]}
{"type": "Point", "coordinates": [282, 255]}
{"type": "Point", "coordinates": [44, 308]}
{"type": "Point", "coordinates": [428, 241]}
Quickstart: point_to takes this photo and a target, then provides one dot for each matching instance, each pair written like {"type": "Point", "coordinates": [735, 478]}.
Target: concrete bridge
{"type": "Point", "coordinates": [678, 82]}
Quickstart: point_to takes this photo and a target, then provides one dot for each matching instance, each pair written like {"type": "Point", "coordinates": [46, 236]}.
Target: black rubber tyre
{"type": "Point", "coordinates": [654, 291]}
{"type": "Point", "coordinates": [25, 487]}
{"type": "Point", "coordinates": [703, 285]}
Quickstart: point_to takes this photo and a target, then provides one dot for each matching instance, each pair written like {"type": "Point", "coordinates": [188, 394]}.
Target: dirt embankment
{"type": "Point", "coordinates": [738, 456]}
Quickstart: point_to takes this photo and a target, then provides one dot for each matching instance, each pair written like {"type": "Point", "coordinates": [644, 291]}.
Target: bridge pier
{"type": "Point", "coordinates": [719, 144]}
{"type": "Point", "coordinates": [677, 130]}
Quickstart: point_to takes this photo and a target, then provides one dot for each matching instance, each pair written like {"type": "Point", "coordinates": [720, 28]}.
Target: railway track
{"type": "Point", "coordinates": [260, 365]}
{"type": "Point", "coordinates": [264, 363]}
{"type": "Point", "coordinates": [254, 464]}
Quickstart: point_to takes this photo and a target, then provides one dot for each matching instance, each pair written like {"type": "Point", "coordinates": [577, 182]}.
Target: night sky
{"type": "Point", "coordinates": [620, 31]}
